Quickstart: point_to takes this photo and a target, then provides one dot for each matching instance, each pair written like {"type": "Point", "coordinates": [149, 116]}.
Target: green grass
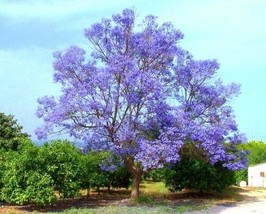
{"type": "Point", "coordinates": [153, 199]}
{"type": "Point", "coordinates": [155, 189]}
{"type": "Point", "coordinates": [136, 209]}
{"type": "Point", "coordinates": [144, 199]}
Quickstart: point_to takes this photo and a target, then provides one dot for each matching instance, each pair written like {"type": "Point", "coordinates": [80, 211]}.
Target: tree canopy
{"type": "Point", "coordinates": [257, 152]}
{"type": "Point", "coordinates": [141, 96]}
{"type": "Point", "coordinates": [257, 155]}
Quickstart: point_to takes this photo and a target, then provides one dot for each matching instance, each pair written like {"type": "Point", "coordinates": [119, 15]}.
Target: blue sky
{"type": "Point", "coordinates": [232, 31]}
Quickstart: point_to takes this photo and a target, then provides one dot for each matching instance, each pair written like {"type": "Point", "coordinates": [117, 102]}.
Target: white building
{"type": "Point", "coordinates": [257, 175]}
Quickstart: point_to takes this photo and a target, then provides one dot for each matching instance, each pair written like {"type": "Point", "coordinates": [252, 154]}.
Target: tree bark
{"type": "Point", "coordinates": [136, 171]}
{"type": "Point", "coordinates": [135, 184]}
{"type": "Point", "coordinates": [88, 192]}
{"type": "Point", "coordinates": [98, 190]}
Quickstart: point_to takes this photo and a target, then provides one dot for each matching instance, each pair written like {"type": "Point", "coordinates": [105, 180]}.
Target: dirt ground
{"type": "Point", "coordinates": [249, 201]}
{"type": "Point", "coordinates": [82, 202]}
{"type": "Point", "coordinates": [255, 202]}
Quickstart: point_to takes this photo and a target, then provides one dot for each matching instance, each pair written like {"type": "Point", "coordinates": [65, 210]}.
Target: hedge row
{"type": "Point", "coordinates": [43, 174]}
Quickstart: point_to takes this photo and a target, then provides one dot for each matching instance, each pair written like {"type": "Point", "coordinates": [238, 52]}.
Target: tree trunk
{"type": "Point", "coordinates": [136, 171]}
{"type": "Point", "coordinates": [88, 192]}
{"type": "Point", "coordinates": [135, 184]}
{"type": "Point", "coordinates": [109, 189]}
{"type": "Point", "coordinates": [98, 190]}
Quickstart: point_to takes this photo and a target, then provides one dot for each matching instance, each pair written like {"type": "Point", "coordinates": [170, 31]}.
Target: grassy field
{"type": "Point", "coordinates": [155, 198]}
{"type": "Point", "coordinates": [135, 210]}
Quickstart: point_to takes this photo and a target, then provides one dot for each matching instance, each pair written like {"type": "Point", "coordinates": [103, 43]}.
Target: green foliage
{"type": "Point", "coordinates": [194, 171]}
{"type": "Point", "coordinates": [10, 132]}
{"type": "Point", "coordinates": [33, 174]}
{"type": "Point", "coordinates": [257, 155]}
{"type": "Point", "coordinates": [120, 178]}
{"type": "Point", "coordinates": [23, 179]}
{"type": "Point", "coordinates": [155, 175]}
{"type": "Point", "coordinates": [241, 175]}
{"type": "Point", "coordinates": [144, 199]}
{"type": "Point", "coordinates": [62, 161]}
{"type": "Point", "coordinates": [257, 151]}
{"type": "Point", "coordinates": [95, 177]}
{"type": "Point", "coordinates": [3, 159]}
{"type": "Point", "coordinates": [40, 188]}
{"type": "Point", "coordinates": [36, 174]}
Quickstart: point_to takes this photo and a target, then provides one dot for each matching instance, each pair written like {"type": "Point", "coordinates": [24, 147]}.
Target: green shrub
{"type": "Point", "coordinates": [23, 180]}
{"type": "Point", "coordinates": [241, 175]}
{"type": "Point", "coordinates": [40, 188]}
{"type": "Point", "coordinates": [194, 171]}
{"type": "Point", "coordinates": [120, 178]}
{"type": "Point", "coordinates": [34, 174]}
{"type": "Point", "coordinates": [61, 160]}
{"type": "Point", "coordinates": [156, 175]}
{"type": "Point", "coordinates": [93, 175]}
{"type": "Point", "coordinates": [96, 177]}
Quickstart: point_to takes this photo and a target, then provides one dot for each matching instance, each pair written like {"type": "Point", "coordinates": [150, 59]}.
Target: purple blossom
{"type": "Point", "coordinates": [141, 96]}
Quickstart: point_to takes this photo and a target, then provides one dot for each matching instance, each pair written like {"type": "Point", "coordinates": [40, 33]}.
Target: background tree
{"type": "Point", "coordinates": [10, 132]}
{"type": "Point", "coordinates": [257, 155]}
{"type": "Point", "coordinates": [139, 79]}
{"type": "Point", "coordinates": [257, 151]}
{"type": "Point", "coordinates": [155, 175]}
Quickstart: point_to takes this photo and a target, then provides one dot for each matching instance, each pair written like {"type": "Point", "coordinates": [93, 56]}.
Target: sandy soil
{"type": "Point", "coordinates": [255, 202]}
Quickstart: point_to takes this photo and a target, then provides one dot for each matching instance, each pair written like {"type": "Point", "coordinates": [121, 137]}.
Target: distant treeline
{"type": "Point", "coordinates": [257, 154]}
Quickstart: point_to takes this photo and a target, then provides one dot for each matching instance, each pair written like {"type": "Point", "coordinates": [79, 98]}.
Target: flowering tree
{"type": "Point", "coordinates": [141, 96]}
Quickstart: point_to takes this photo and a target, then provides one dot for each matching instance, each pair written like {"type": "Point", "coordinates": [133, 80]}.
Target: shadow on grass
{"type": "Point", "coordinates": [228, 198]}
{"type": "Point", "coordinates": [93, 201]}
{"type": "Point", "coordinates": [185, 200]}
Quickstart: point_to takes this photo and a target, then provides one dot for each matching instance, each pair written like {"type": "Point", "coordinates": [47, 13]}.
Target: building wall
{"type": "Point", "coordinates": [257, 175]}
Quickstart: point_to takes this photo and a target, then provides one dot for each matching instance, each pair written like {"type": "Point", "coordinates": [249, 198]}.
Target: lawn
{"type": "Point", "coordinates": [155, 198]}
